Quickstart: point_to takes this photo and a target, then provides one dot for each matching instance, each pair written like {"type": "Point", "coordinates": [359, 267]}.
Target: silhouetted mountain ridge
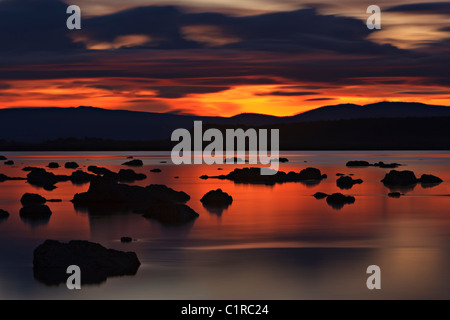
{"type": "Point", "coordinates": [41, 124]}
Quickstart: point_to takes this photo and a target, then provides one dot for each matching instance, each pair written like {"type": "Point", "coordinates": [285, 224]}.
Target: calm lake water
{"type": "Point", "coordinates": [273, 242]}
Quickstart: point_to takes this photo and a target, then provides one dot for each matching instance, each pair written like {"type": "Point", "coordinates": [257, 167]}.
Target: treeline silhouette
{"type": "Point", "coordinates": [358, 134]}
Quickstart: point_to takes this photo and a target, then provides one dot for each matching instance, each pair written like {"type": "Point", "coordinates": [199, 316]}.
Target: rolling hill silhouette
{"type": "Point", "coordinates": [42, 124]}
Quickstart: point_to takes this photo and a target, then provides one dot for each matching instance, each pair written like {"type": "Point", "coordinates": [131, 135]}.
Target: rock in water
{"type": "Point", "coordinates": [394, 194]}
{"type": "Point", "coordinates": [338, 200]}
{"type": "Point", "coordinates": [400, 178]}
{"type": "Point", "coordinates": [32, 199]}
{"type": "Point", "coordinates": [71, 165]}
{"type": "Point", "coordinates": [53, 165]}
{"type": "Point", "coordinates": [97, 263]}
{"type": "Point", "coordinates": [35, 213]}
{"type": "Point", "coordinates": [357, 163]}
{"type": "Point", "coordinates": [320, 195]}
{"type": "Point", "coordinates": [170, 213]}
{"type": "Point", "coordinates": [156, 170]}
{"type": "Point", "coordinates": [126, 239]}
{"type": "Point", "coordinates": [216, 198]}
{"type": "Point", "coordinates": [347, 182]}
{"type": "Point", "coordinates": [3, 158]}
{"type": "Point", "coordinates": [134, 163]}
{"type": "Point", "coordinates": [3, 214]}
{"type": "Point", "coordinates": [429, 178]}
{"type": "Point", "coordinates": [9, 163]}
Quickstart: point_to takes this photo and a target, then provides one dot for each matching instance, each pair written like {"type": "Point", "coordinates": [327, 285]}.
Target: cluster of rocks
{"type": "Point", "coordinates": [253, 175]}
{"type": "Point", "coordinates": [157, 202]}
{"type": "Point", "coordinates": [34, 209]}
{"type": "Point", "coordinates": [380, 164]}
{"type": "Point", "coordinates": [407, 178]}
{"type": "Point", "coordinates": [346, 182]}
{"type": "Point", "coordinates": [335, 200]}
{"type": "Point", "coordinates": [51, 259]}
{"type": "Point", "coordinates": [124, 175]}
{"type": "Point", "coordinates": [133, 163]}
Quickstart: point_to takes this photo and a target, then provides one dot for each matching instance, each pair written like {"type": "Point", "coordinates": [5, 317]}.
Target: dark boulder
{"type": "Point", "coordinates": [400, 178]}
{"type": "Point", "coordinates": [156, 170]}
{"type": "Point", "coordinates": [338, 200]}
{"type": "Point", "coordinates": [51, 259]}
{"type": "Point", "coordinates": [216, 198]}
{"type": "Point", "coordinates": [133, 163]}
{"type": "Point", "coordinates": [429, 178]}
{"type": "Point", "coordinates": [105, 196]}
{"type": "Point", "coordinates": [253, 175]}
{"type": "Point", "coordinates": [347, 182]}
{"type": "Point", "coordinates": [71, 165]}
{"type": "Point", "coordinates": [126, 239]}
{"type": "Point", "coordinates": [357, 163]}
{"type": "Point", "coordinates": [129, 175]}
{"type": "Point", "coordinates": [32, 199]}
{"type": "Point", "coordinates": [29, 169]}
{"type": "Point", "coordinates": [41, 178]}
{"type": "Point", "coordinates": [311, 174]}
{"type": "Point", "coordinates": [3, 158]}
{"type": "Point", "coordinates": [281, 160]}
{"type": "Point", "coordinates": [170, 213]}
{"type": "Point", "coordinates": [394, 194]}
{"type": "Point", "coordinates": [381, 164]}
{"type": "Point", "coordinates": [9, 163]}
{"type": "Point", "coordinates": [99, 170]}
{"type": "Point", "coordinates": [320, 195]}
{"type": "Point", "coordinates": [3, 214]}
{"type": "Point", "coordinates": [4, 178]}
{"type": "Point", "coordinates": [36, 212]}
{"type": "Point", "coordinates": [81, 177]}
{"type": "Point", "coordinates": [53, 165]}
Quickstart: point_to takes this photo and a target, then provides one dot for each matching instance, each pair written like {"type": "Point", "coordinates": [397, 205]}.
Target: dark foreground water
{"type": "Point", "coordinates": [273, 242]}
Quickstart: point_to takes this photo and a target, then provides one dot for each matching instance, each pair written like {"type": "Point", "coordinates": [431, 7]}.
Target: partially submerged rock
{"type": "Point", "coordinates": [71, 165]}
{"type": "Point", "coordinates": [281, 160]}
{"type": "Point", "coordinates": [338, 200]}
{"type": "Point", "coordinates": [53, 165]}
{"type": "Point", "coordinates": [253, 175]}
{"type": "Point", "coordinates": [124, 175]}
{"type": "Point", "coordinates": [170, 213]}
{"type": "Point", "coordinates": [394, 194]}
{"type": "Point", "coordinates": [156, 170]}
{"type": "Point", "coordinates": [3, 158]}
{"type": "Point", "coordinates": [429, 179]}
{"type": "Point", "coordinates": [105, 196]}
{"type": "Point", "coordinates": [51, 259]}
{"type": "Point", "coordinates": [216, 198]}
{"type": "Point", "coordinates": [133, 163]}
{"type": "Point", "coordinates": [32, 199]}
{"type": "Point", "coordinates": [357, 163]}
{"type": "Point", "coordinates": [126, 239]}
{"type": "Point", "coordinates": [9, 163]}
{"type": "Point", "coordinates": [380, 164]}
{"type": "Point", "coordinates": [346, 182]}
{"type": "Point", "coordinates": [4, 178]}
{"type": "Point", "coordinates": [320, 195]}
{"type": "Point", "coordinates": [400, 178]}
{"type": "Point", "coordinates": [36, 214]}
{"type": "Point", "coordinates": [3, 214]}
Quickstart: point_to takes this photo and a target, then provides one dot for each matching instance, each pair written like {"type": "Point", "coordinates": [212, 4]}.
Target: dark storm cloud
{"type": "Point", "coordinates": [288, 93]}
{"type": "Point", "coordinates": [173, 92]}
{"type": "Point", "coordinates": [32, 25]}
{"type": "Point", "coordinates": [320, 99]}
{"type": "Point", "coordinates": [423, 8]}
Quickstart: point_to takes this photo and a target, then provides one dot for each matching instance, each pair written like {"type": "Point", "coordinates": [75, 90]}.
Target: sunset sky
{"type": "Point", "coordinates": [222, 57]}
